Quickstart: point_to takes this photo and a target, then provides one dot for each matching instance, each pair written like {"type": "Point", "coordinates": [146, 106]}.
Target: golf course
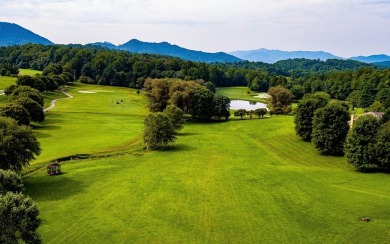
{"type": "Point", "coordinates": [235, 181]}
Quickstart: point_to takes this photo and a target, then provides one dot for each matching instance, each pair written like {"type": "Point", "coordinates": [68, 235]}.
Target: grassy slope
{"type": "Point", "coordinates": [90, 123]}
{"type": "Point", "coordinates": [242, 181]}
{"type": "Point", "coordinates": [239, 93]}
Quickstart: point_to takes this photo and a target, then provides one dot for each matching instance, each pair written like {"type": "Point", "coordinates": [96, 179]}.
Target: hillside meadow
{"type": "Point", "coordinates": [241, 181]}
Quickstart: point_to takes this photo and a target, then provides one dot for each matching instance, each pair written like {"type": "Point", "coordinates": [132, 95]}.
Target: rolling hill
{"type": "Point", "coordinates": [372, 58]}
{"type": "Point", "coordinates": [13, 34]}
{"type": "Point", "coordinates": [165, 48]}
{"type": "Point", "coordinates": [272, 56]}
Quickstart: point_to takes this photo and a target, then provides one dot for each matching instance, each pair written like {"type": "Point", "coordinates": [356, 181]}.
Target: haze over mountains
{"type": "Point", "coordinates": [13, 34]}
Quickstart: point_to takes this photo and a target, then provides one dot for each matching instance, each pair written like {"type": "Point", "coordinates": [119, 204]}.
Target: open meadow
{"type": "Point", "coordinates": [241, 181]}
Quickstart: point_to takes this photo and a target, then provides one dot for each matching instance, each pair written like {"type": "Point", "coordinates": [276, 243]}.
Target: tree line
{"type": "Point", "coordinates": [192, 97]}
{"type": "Point", "coordinates": [119, 68]}
{"type": "Point", "coordinates": [325, 123]}
{"type": "Point", "coordinates": [19, 220]}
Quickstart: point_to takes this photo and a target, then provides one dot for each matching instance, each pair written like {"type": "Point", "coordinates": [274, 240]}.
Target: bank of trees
{"type": "Point", "coordinates": [26, 105]}
{"type": "Point", "coordinates": [190, 96]}
{"type": "Point", "coordinates": [6, 68]}
{"type": "Point", "coordinates": [118, 68]}
{"type": "Point", "coordinates": [322, 122]}
{"type": "Point", "coordinates": [19, 220]}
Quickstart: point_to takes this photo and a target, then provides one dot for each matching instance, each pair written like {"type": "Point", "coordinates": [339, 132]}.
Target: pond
{"type": "Point", "coordinates": [247, 105]}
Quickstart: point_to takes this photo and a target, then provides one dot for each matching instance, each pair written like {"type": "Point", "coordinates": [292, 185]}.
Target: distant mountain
{"type": "Point", "coordinates": [13, 34]}
{"type": "Point", "coordinates": [383, 64]}
{"type": "Point", "coordinates": [372, 59]}
{"type": "Point", "coordinates": [165, 48]}
{"type": "Point", "coordinates": [272, 56]}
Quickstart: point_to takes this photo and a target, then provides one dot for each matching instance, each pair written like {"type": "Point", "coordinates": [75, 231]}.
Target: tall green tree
{"type": "Point", "coordinates": [33, 108]}
{"type": "Point", "coordinates": [240, 113]}
{"type": "Point", "coordinates": [16, 112]}
{"type": "Point", "coordinates": [383, 146]}
{"type": "Point", "coordinates": [19, 220]}
{"type": "Point", "coordinates": [280, 99]}
{"type": "Point", "coordinates": [18, 145]}
{"type": "Point", "coordinates": [202, 105]}
{"type": "Point", "coordinates": [260, 112]}
{"type": "Point", "coordinates": [175, 115]}
{"type": "Point", "coordinates": [158, 131]}
{"type": "Point", "coordinates": [221, 106]}
{"type": "Point", "coordinates": [304, 117]}
{"type": "Point", "coordinates": [360, 146]}
{"type": "Point", "coordinates": [26, 91]}
{"type": "Point", "coordinates": [330, 128]}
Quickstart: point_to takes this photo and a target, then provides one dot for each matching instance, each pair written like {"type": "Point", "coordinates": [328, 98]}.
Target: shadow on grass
{"type": "Point", "coordinates": [46, 127]}
{"type": "Point", "coordinates": [178, 147]}
{"type": "Point", "coordinates": [52, 187]}
{"type": "Point", "coordinates": [187, 134]}
{"type": "Point", "coordinates": [374, 170]}
{"type": "Point", "coordinates": [42, 135]}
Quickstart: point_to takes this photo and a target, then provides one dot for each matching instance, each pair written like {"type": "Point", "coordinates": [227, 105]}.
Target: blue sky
{"type": "Point", "coordinates": [343, 27]}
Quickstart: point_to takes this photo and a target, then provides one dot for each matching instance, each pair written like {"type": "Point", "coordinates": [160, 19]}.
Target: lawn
{"type": "Point", "coordinates": [90, 122]}
{"type": "Point", "coordinates": [248, 181]}
{"type": "Point", "coordinates": [239, 93]}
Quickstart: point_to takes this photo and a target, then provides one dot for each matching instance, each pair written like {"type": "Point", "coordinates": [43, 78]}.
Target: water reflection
{"type": "Point", "coordinates": [248, 105]}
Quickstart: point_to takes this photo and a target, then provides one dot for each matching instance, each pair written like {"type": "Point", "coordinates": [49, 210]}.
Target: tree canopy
{"type": "Point", "coordinates": [330, 128]}
{"type": "Point", "coordinates": [10, 181]}
{"type": "Point", "coordinates": [280, 100]}
{"type": "Point", "coordinates": [158, 130]}
{"type": "Point", "coordinates": [18, 145]}
{"type": "Point", "coordinates": [16, 112]}
{"type": "Point", "coordinates": [19, 219]}
{"type": "Point", "coordinates": [360, 148]}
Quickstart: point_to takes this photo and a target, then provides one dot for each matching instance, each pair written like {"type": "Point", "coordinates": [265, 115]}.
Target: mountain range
{"type": "Point", "coordinates": [13, 34]}
{"type": "Point", "coordinates": [273, 56]}
{"type": "Point", "coordinates": [165, 48]}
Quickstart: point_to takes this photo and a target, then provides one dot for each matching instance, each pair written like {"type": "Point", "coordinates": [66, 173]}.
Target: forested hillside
{"type": "Point", "coordinates": [340, 78]}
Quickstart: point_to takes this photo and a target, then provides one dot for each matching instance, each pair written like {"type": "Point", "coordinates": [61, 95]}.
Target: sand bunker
{"type": "Point", "coordinates": [263, 95]}
{"type": "Point", "coordinates": [100, 91]}
{"type": "Point", "coordinates": [88, 92]}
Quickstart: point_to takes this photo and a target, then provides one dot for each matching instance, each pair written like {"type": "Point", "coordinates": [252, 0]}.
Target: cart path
{"type": "Point", "coordinates": [53, 103]}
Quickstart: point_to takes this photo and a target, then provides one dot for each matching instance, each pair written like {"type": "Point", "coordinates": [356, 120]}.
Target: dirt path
{"type": "Point", "coordinates": [53, 103]}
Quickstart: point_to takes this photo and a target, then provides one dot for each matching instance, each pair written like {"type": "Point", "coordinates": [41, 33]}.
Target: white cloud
{"type": "Point", "coordinates": [348, 27]}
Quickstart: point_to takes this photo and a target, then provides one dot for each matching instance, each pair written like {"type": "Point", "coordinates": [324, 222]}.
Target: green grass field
{"type": "Point", "coordinates": [90, 122]}
{"type": "Point", "coordinates": [239, 93]}
{"type": "Point", "coordinates": [248, 181]}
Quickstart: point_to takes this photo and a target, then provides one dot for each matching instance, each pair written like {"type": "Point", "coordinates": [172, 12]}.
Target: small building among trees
{"type": "Point", "coordinates": [54, 169]}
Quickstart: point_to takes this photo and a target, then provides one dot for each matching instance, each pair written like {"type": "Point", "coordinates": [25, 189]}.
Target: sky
{"type": "Point", "coordinates": [345, 28]}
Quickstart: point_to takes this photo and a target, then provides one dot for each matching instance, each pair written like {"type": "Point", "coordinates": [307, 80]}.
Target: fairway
{"type": "Point", "coordinates": [239, 93]}
{"type": "Point", "coordinates": [90, 122]}
{"type": "Point", "coordinates": [248, 181]}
